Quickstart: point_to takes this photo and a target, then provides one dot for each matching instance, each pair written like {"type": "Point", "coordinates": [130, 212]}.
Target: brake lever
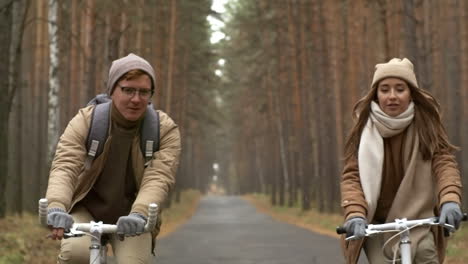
{"type": "Point", "coordinates": [448, 229]}
{"type": "Point", "coordinates": [368, 233]}
{"type": "Point", "coordinates": [73, 233]}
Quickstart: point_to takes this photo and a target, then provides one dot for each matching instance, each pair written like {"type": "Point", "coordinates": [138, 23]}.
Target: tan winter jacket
{"type": "Point", "coordinates": [447, 185]}
{"type": "Point", "coordinates": [69, 182]}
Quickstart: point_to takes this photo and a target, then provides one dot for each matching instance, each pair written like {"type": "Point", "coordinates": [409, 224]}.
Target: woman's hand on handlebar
{"type": "Point", "coordinates": [451, 214]}
{"type": "Point", "coordinates": [355, 227]}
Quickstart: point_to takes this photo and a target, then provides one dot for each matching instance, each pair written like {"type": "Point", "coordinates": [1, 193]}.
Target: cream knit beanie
{"type": "Point", "coordinates": [399, 68]}
{"type": "Point", "coordinates": [125, 64]}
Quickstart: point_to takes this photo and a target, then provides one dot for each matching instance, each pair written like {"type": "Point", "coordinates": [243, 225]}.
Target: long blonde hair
{"type": "Point", "coordinates": [427, 121]}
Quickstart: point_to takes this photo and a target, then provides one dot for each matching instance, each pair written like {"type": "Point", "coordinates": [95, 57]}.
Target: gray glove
{"type": "Point", "coordinates": [58, 218]}
{"type": "Point", "coordinates": [451, 214]}
{"type": "Point", "coordinates": [131, 225]}
{"type": "Point", "coordinates": [356, 227]}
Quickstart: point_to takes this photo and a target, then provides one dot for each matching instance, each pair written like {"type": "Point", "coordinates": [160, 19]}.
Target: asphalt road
{"type": "Point", "coordinates": [228, 230]}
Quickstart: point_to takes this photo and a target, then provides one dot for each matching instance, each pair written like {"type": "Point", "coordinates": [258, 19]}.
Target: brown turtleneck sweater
{"type": "Point", "coordinates": [114, 192]}
{"type": "Point", "coordinates": [393, 173]}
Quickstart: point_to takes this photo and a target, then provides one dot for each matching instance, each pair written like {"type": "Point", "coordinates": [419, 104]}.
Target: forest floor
{"type": "Point", "coordinates": [23, 240]}
{"type": "Point", "coordinates": [457, 251]}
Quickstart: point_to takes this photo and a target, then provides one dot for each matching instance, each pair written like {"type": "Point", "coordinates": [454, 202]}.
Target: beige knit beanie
{"type": "Point", "coordinates": [125, 64]}
{"type": "Point", "coordinates": [399, 68]}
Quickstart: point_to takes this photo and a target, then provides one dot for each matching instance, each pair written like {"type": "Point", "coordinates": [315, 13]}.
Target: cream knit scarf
{"type": "Point", "coordinates": [415, 196]}
{"type": "Point", "coordinates": [371, 149]}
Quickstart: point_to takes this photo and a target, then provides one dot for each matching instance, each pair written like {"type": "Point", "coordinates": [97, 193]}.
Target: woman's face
{"type": "Point", "coordinates": [393, 96]}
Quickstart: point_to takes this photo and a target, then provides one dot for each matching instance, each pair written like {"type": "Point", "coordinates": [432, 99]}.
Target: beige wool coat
{"type": "Point", "coordinates": [447, 186]}
{"type": "Point", "coordinates": [69, 181]}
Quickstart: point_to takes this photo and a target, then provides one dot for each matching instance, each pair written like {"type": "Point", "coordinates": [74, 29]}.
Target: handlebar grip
{"type": "Point", "coordinates": [43, 203]}
{"type": "Point", "coordinates": [446, 231]}
{"type": "Point", "coordinates": [152, 216]}
{"type": "Point", "coordinates": [340, 230]}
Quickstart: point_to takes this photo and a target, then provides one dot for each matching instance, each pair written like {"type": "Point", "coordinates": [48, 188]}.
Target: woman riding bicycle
{"type": "Point", "coordinates": [398, 164]}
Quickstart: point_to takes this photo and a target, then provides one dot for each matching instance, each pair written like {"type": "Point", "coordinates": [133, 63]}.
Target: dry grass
{"type": "Point", "coordinates": [457, 251]}
{"type": "Point", "coordinates": [179, 213]}
{"type": "Point", "coordinates": [22, 240]}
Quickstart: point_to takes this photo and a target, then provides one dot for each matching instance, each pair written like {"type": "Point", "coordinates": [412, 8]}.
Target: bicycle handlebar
{"type": "Point", "coordinates": [394, 225]}
{"type": "Point", "coordinates": [104, 228]}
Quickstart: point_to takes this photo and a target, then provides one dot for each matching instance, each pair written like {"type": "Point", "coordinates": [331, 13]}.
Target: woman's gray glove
{"type": "Point", "coordinates": [355, 227]}
{"type": "Point", "coordinates": [131, 225]}
{"type": "Point", "coordinates": [451, 214]}
{"type": "Point", "coordinates": [58, 218]}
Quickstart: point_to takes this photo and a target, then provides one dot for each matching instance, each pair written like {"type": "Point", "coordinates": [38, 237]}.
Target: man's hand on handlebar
{"type": "Point", "coordinates": [59, 221]}
{"type": "Point", "coordinates": [131, 225]}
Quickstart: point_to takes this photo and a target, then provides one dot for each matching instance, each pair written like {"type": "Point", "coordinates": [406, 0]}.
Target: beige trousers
{"type": "Point", "coordinates": [425, 254]}
{"type": "Point", "coordinates": [133, 250]}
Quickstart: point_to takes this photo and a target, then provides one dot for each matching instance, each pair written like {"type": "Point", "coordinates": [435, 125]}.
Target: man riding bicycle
{"type": "Point", "coordinates": [398, 164]}
{"type": "Point", "coordinates": [116, 186]}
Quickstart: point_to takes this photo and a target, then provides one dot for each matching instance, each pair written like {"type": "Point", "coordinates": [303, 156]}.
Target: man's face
{"type": "Point", "coordinates": [132, 96]}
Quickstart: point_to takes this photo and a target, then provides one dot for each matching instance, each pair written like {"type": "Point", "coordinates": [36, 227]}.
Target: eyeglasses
{"type": "Point", "coordinates": [131, 91]}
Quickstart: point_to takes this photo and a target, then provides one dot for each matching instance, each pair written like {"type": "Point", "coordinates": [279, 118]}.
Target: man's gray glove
{"type": "Point", "coordinates": [131, 225]}
{"type": "Point", "coordinates": [355, 227]}
{"type": "Point", "coordinates": [451, 214]}
{"type": "Point", "coordinates": [58, 218]}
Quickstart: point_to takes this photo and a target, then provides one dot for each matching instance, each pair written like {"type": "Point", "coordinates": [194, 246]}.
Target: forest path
{"type": "Point", "coordinates": [227, 229]}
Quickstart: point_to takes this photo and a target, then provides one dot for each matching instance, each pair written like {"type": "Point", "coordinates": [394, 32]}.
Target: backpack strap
{"type": "Point", "coordinates": [98, 132]}
{"type": "Point", "coordinates": [99, 99]}
{"type": "Point", "coordinates": [149, 135]}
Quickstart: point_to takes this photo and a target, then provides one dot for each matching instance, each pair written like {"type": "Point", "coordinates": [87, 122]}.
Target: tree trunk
{"type": "Point", "coordinates": [6, 27]}
{"type": "Point", "coordinates": [12, 26]}
{"type": "Point", "coordinates": [464, 95]}
{"type": "Point", "coordinates": [171, 63]}
{"type": "Point", "coordinates": [90, 43]}
{"type": "Point", "coordinates": [54, 110]}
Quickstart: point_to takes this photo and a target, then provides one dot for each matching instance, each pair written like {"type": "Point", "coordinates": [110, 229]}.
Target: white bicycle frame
{"type": "Point", "coordinates": [402, 227]}
{"type": "Point", "coordinates": [97, 252]}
